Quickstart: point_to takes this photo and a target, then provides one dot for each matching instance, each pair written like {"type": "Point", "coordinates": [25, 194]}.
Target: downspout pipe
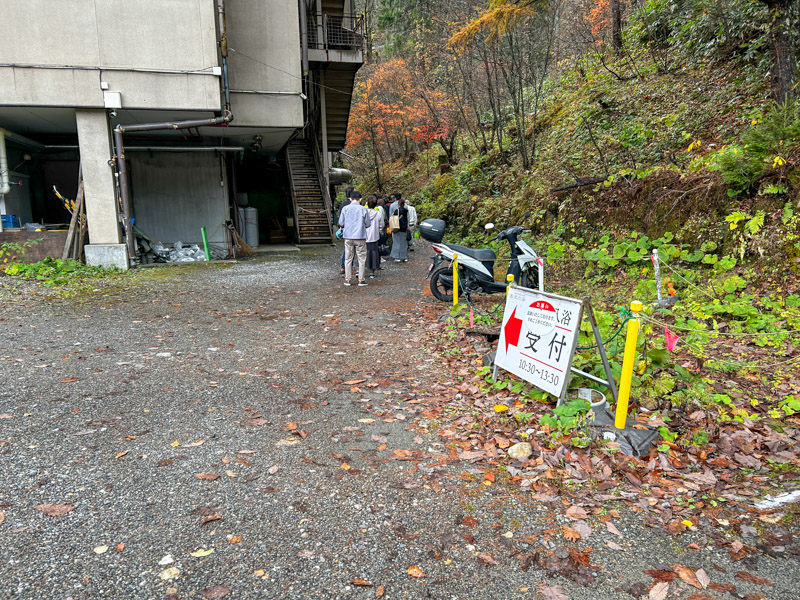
{"type": "Point", "coordinates": [5, 174]}
{"type": "Point", "coordinates": [304, 38]}
{"type": "Point", "coordinates": [122, 164]}
{"type": "Point", "coordinates": [223, 48]}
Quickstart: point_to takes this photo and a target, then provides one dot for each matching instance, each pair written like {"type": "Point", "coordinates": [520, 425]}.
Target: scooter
{"type": "Point", "coordinates": [476, 267]}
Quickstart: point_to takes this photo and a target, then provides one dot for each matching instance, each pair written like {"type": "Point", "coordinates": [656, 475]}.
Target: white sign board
{"type": "Point", "coordinates": [538, 337]}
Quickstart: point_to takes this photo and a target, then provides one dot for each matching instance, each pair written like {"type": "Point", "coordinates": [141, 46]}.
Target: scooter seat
{"type": "Point", "coordinates": [481, 255]}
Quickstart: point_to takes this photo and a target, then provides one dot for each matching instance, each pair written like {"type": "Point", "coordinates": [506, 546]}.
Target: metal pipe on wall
{"type": "Point", "coordinates": [223, 48]}
{"type": "Point", "coordinates": [122, 167]}
{"type": "Point", "coordinates": [304, 37]}
{"type": "Point", "coordinates": [5, 174]}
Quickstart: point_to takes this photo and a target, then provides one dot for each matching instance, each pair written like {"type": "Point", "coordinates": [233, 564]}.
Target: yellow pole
{"type": "Point", "coordinates": [627, 367]}
{"type": "Point", "coordinates": [510, 280]}
{"type": "Point", "coordinates": [455, 280]}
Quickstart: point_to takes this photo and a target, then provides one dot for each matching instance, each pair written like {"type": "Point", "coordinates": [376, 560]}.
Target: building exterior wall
{"type": "Point", "coordinates": [175, 194]}
{"type": "Point", "coordinates": [106, 41]}
{"type": "Point", "coordinates": [266, 57]}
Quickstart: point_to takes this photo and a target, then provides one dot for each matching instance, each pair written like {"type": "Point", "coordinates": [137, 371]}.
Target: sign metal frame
{"type": "Point", "coordinates": [584, 308]}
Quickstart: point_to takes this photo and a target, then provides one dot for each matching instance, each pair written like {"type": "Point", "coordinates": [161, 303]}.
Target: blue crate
{"type": "Point", "coordinates": [10, 221]}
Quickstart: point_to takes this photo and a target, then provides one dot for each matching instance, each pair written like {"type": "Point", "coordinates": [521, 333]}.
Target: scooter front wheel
{"type": "Point", "coordinates": [530, 279]}
{"type": "Point", "coordinates": [442, 283]}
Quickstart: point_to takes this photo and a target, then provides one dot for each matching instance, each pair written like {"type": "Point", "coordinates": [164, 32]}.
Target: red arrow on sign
{"type": "Point", "coordinates": [512, 329]}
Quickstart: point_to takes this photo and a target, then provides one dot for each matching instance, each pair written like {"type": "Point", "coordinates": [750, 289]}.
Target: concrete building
{"type": "Point", "coordinates": [175, 115]}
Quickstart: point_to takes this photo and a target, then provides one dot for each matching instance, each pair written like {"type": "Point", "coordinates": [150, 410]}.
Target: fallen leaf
{"type": "Point", "coordinates": [484, 558]}
{"type": "Point", "coordinates": [379, 591]}
{"type": "Point", "coordinates": [230, 473]}
{"type": "Point", "coordinates": [770, 518]}
{"type": "Point", "coordinates": [216, 591]}
{"type": "Point", "coordinates": [288, 442]}
{"type": "Point", "coordinates": [700, 596]}
{"type": "Point", "coordinates": [703, 578]}
{"type": "Point", "coordinates": [366, 421]}
{"type": "Point", "coordinates": [722, 587]}
{"type": "Point", "coordinates": [259, 573]}
{"type": "Point", "coordinates": [583, 529]}
{"type": "Point", "coordinates": [552, 592]}
{"type": "Point", "coordinates": [361, 582]}
{"type": "Point", "coordinates": [468, 521]}
{"type": "Point", "coordinates": [744, 575]}
{"type": "Point", "coordinates": [234, 539]}
{"type": "Point", "coordinates": [69, 380]}
{"type": "Point", "coordinates": [55, 510]}
{"type": "Point", "coordinates": [201, 552]}
{"type": "Point", "coordinates": [614, 546]}
{"type": "Point", "coordinates": [207, 476]}
{"type": "Point", "coordinates": [345, 466]}
{"type": "Point", "coordinates": [415, 571]}
{"type": "Point", "coordinates": [571, 534]}
{"type": "Point", "coordinates": [170, 573]}
{"type": "Point", "coordinates": [660, 575]}
{"type": "Point", "coordinates": [658, 591]}
{"type": "Point", "coordinates": [498, 408]}
{"type": "Point", "coordinates": [576, 512]}
{"type": "Point", "coordinates": [273, 469]}
{"type": "Point", "coordinates": [247, 451]}
{"type": "Point", "coordinates": [121, 454]}
{"type": "Point", "coordinates": [119, 547]}
{"type": "Point", "coordinates": [175, 444]}
{"type": "Point", "coordinates": [686, 575]}
{"type": "Point", "coordinates": [611, 528]}
{"type": "Point", "coordinates": [354, 382]}
{"type": "Point", "coordinates": [2, 516]}
{"type": "Point", "coordinates": [101, 550]}
{"type": "Point", "coordinates": [209, 518]}
{"type": "Point", "coordinates": [489, 476]}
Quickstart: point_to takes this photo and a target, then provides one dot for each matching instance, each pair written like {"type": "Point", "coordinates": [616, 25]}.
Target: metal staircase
{"type": "Point", "coordinates": [339, 83]}
{"type": "Point", "coordinates": [313, 214]}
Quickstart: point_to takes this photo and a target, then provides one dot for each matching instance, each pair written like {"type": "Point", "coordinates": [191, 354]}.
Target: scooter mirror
{"type": "Point", "coordinates": [489, 226]}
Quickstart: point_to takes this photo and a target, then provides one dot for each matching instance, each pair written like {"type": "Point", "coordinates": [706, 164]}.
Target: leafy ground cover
{"type": "Point", "coordinates": [725, 400]}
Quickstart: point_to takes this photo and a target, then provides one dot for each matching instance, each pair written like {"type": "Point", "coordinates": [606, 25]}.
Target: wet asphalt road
{"type": "Point", "coordinates": [113, 403]}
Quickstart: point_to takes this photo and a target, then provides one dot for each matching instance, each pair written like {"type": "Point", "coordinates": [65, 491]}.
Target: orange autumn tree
{"type": "Point", "coordinates": [393, 114]}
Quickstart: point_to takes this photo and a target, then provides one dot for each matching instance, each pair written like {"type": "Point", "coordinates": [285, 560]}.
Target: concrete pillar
{"type": "Point", "coordinates": [94, 139]}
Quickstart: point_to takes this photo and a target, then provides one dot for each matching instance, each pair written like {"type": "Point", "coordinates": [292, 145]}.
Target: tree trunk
{"type": "Point", "coordinates": [783, 72]}
{"type": "Point", "coordinates": [616, 25]}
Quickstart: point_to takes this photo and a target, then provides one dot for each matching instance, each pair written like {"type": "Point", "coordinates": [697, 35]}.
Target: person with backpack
{"type": "Point", "coordinates": [398, 221]}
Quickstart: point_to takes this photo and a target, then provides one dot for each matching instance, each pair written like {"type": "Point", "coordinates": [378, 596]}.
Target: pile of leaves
{"type": "Point", "coordinates": [711, 476]}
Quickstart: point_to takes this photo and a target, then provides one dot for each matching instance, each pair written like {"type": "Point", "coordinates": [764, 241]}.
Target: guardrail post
{"type": "Point", "coordinates": [455, 280]}
{"type": "Point", "coordinates": [627, 367]}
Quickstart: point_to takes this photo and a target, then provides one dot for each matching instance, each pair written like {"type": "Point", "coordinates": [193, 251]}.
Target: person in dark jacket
{"type": "Point", "coordinates": [399, 240]}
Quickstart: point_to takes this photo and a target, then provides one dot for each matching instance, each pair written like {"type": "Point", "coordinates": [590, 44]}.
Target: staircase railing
{"type": "Point", "coordinates": [295, 206]}
{"type": "Point", "coordinates": [318, 164]}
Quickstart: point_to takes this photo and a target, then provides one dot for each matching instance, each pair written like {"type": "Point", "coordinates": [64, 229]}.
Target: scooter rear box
{"type": "Point", "coordinates": [432, 230]}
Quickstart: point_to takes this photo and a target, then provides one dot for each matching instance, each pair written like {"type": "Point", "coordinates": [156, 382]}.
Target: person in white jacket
{"type": "Point", "coordinates": [412, 225]}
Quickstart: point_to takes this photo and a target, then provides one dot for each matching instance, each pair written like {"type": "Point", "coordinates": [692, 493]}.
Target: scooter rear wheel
{"type": "Point", "coordinates": [441, 290]}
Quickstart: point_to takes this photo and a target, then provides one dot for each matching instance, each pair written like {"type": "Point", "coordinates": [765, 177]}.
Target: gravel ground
{"type": "Point", "coordinates": [114, 402]}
